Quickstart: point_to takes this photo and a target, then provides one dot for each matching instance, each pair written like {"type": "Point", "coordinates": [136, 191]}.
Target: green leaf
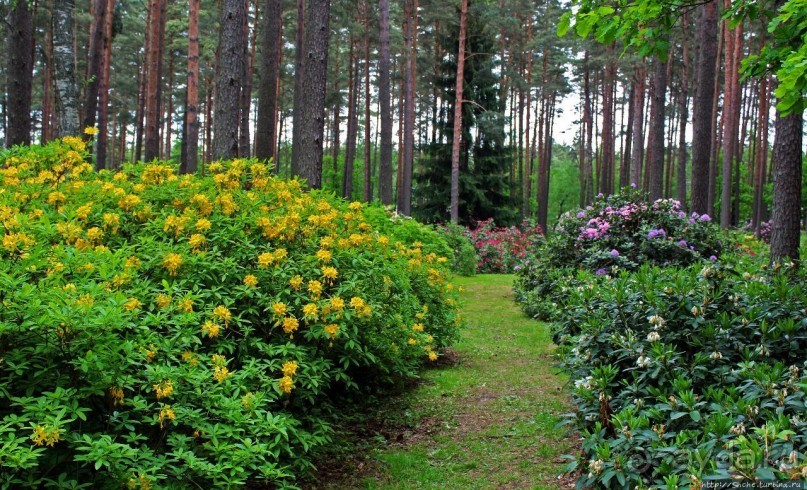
{"type": "Point", "coordinates": [564, 24]}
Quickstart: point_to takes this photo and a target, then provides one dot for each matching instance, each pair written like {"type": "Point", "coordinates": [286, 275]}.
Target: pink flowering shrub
{"type": "Point", "coordinates": [500, 250]}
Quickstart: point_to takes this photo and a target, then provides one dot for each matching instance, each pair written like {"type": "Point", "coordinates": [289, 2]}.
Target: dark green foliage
{"type": "Point", "coordinates": [485, 159]}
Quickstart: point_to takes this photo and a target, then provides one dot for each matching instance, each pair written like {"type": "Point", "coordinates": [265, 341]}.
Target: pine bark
{"type": "Point", "coordinates": [683, 111]}
{"type": "Point", "coordinates": [637, 156]}
{"type": "Point", "coordinates": [787, 161]}
{"type": "Point", "coordinates": [64, 69]}
{"type": "Point", "coordinates": [103, 87]}
{"type": "Point", "coordinates": [308, 165]}
{"type": "Point", "coordinates": [455, 146]}
{"type": "Point", "coordinates": [19, 84]}
{"type": "Point", "coordinates": [152, 110]}
{"type": "Point", "coordinates": [95, 65]}
{"type": "Point", "coordinates": [657, 111]}
{"type": "Point", "coordinates": [408, 139]}
{"type": "Point", "coordinates": [368, 166]}
{"type": "Point", "coordinates": [608, 135]}
{"type": "Point", "coordinates": [190, 143]}
{"type": "Point", "coordinates": [229, 78]}
{"type": "Point", "coordinates": [352, 123]}
{"type": "Point", "coordinates": [299, 73]}
{"type": "Point", "coordinates": [267, 91]}
{"type": "Point", "coordinates": [385, 167]}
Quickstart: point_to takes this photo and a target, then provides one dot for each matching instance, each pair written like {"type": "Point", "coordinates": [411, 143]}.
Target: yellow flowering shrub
{"type": "Point", "coordinates": [161, 329]}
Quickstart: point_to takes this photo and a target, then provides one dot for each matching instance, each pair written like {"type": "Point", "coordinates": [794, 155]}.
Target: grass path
{"type": "Point", "coordinates": [486, 418]}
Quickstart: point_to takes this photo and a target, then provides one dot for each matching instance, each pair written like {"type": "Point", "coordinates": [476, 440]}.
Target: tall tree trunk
{"type": "Point", "coordinates": [268, 89]}
{"type": "Point", "coordinates": [352, 122]}
{"type": "Point", "coordinates": [103, 87]}
{"type": "Point", "coordinates": [308, 165]}
{"type": "Point", "coordinates": [299, 72]}
{"type": "Point", "coordinates": [711, 198]}
{"type": "Point", "coordinates": [683, 111]}
{"type": "Point", "coordinates": [624, 169]}
{"type": "Point", "coordinates": [152, 130]}
{"type": "Point", "coordinates": [637, 158]}
{"type": "Point", "coordinates": [248, 69]}
{"type": "Point", "coordinates": [336, 146]}
{"type": "Point", "coordinates": [95, 65]}
{"type": "Point", "coordinates": [190, 143]}
{"type": "Point", "coordinates": [730, 116]}
{"type": "Point", "coordinates": [761, 154]}
{"type": "Point", "coordinates": [656, 167]}
{"type": "Point", "coordinates": [608, 150]}
{"type": "Point", "coordinates": [410, 78]}
{"type": "Point", "coordinates": [229, 79]}
{"type": "Point", "coordinates": [65, 78]}
{"type": "Point", "coordinates": [455, 146]}
{"type": "Point", "coordinates": [368, 174]}
{"type": "Point", "coordinates": [787, 161]}
{"type": "Point", "coordinates": [20, 43]}
{"type": "Point", "coordinates": [385, 168]}
{"type": "Point", "coordinates": [526, 212]}
{"type": "Point", "coordinates": [142, 84]}
{"type": "Point", "coordinates": [702, 128]}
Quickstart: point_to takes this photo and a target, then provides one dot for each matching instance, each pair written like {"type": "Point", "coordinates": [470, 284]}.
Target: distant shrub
{"type": "Point", "coordinates": [500, 250]}
{"type": "Point", "coordinates": [613, 234]}
{"type": "Point", "coordinates": [465, 259]}
{"type": "Point", "coordinates": [159, 329]}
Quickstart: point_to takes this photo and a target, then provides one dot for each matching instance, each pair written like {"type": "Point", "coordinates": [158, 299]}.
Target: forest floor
{"type": "Point", "coordinates": [486, 416]}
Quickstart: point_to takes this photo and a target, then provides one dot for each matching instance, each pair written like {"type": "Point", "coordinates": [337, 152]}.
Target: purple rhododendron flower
{"type": "Point", "coordinates": [600, 272]}
{"type": "Point", "coordinates": [705, 217]}
{"type": "Point", "coordinates": [615, 253]}
{"type": "Point", "coordinates": [713, 258]}
{"type": "Point", "coordinates": [682, 243]}
{"type": "Point", "coordinates": [581, 214]}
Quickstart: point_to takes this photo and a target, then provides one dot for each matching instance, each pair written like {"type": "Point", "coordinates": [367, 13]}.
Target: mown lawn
{"type": "Point", "coordinates": [485, 417]}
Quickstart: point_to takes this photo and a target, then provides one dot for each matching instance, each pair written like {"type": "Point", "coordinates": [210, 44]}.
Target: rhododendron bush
{"type": "Point", "coordinates": [499, 250]}
{"type": "Point", "coordinates": [160, 330]}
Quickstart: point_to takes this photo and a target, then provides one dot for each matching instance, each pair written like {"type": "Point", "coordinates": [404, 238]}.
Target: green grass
{"type": "Point", "coordinates": [488, 420]}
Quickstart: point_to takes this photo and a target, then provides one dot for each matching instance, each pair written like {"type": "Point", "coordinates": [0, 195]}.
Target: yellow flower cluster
{"type": "Point", "coordinates": [172, 262]}
{"type": "Point", "coordinates": [164, 388]}
{"type": "Point", "coordinates": [286, 383]}
{"type": "Point", "coordinates": [45, 435]}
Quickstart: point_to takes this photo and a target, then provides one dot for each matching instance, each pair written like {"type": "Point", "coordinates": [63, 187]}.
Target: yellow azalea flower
{"type": "Point", "coordinates": [185, 304]}
{"type": "Point", "coordinates": [197, 241]}
{"type": "Point", "coordinates": [296, 282]}
{"type": "Point", "coordinates": [310, 311]}
{"type": "Point", "coordinates": [211, 329]}
{"type": "Point", "coordinates": [164, 388]}
{"type": "Point", "coordinates": [354, 206]}
{"type": "Point", "coordinates": [166, 413]}
{"type": "Point", "coordinates": [250, 281]}
{"type": "Point", "coordinates": [222, 313]}
{"type": "Point", "coordinates": [265, 260]}
{"type": "Point", "coordinates": [357, 303]}
{"type": "Point", "coordinates": [163, 300]}
{"type": "Point", "coordinates": [56, 198]}
{"type": "Point", "coordinates": [329, 274]}
{"type": "Point", "coordinates": [248, 400]}
{"type": "Point", "coordinates": [432, 355]}
{"type": "Point", "coordinates": [116, 393]}
{"type": "Point", "coordinates": [202, 225]}
{"type": "Point", "coordinates": [190, 358]}
{"type": "Point", "coordinates": [281, 254]}
{"type": "Point", "coordinates": [221, 373]}
{"type": "Point", "coordinates": [337, 303]}
{"type": "Point", "coordinates": [45, 435]}
{"type": "Point", "coordinates": [383, 241]}
{"type": "Point", "coordinates": [290, 324]}
{"type": "Point", "coordinates": [90, 131]}
{"type": "Point", "coordinates": [95, 234]}
{"type": "Point", "coordinates": [218, 360]}
{"type": "Point", "coordinates": [332, 330]}
{"type": "Point", "coordinates": [315, 288]}
{"type": "Point", "coordinates": [326, 242]}
{"type": "Point", "coordinates": [290, 368]}
{"type": "Point", "coordinates": [172, 262]}
{"type": "Point", "coordinates": [286, 384]}
{"type": "Point", "coordinates": [324, 255]}
{"type": "Point", "coordinates": [412, 341]}
{"type": "Point", "coordinates": [132, 304]}
{"type": "Point", "coordinates": [417, 327]}
{"type": "Point", "coordinates": [279, 309]}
